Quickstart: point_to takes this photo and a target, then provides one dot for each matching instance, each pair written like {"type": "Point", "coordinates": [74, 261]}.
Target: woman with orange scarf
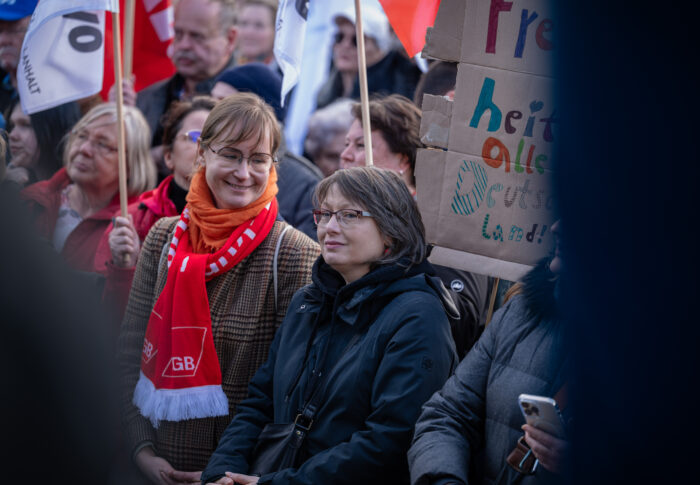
{"type": "Point", "coordinates": [210, 289]}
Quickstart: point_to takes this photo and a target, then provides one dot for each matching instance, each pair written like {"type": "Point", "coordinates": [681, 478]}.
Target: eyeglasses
{"type": "Point", "coordinates": [345, 217]}
{"type": "Point", "coordinates": [257, 162]}
{"type": "Point", "coordinates": [99, 145]}
{"type": "Point", "coordinates": [339, 36]}
{"type": "Point", "coordinates": [192, 135]}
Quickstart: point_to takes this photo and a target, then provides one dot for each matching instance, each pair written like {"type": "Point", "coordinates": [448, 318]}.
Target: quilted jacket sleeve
{"type": "Point", "coordinates": [451, 426]}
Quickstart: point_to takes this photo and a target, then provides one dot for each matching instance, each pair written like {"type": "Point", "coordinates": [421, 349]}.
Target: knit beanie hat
{"type": "Point", "coordinates": [256, 78]}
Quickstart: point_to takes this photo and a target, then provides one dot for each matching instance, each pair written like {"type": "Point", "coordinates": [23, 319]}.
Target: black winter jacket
{"type": "Point", "coordinates": [373, 395]}
{"type": "Point", "coordinates": [468, 428]}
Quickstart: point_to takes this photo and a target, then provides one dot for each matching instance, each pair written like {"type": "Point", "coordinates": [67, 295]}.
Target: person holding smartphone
{"type": "Point", "coordinates": [467, 429]}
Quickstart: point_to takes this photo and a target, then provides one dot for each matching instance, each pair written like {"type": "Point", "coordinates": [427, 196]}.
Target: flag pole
{"type": "Point", "coordinates": [364, 101]}
{"type": "Point", "coordinates": [121, 142]}
{"type": "Point", "coordinates": [492, 300]}
{"type": "Point", "coordinates": [129, 14]}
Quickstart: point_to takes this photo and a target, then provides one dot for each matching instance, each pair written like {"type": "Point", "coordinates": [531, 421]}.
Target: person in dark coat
{"type": "Point", "coordinates": [468, 428]}
{"type": "Point", "coordinates": [373, 322]}
{"type": "Point", "coordinates": [388, 70]}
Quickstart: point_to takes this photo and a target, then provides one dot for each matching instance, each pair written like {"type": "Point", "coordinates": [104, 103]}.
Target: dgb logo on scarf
{"type": "Point", "coordinates": [186, 352]}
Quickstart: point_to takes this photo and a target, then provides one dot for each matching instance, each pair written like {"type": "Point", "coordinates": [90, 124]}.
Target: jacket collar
{"type": "Point", "coordinates": [158, 200]}
{"type": "Point", "coordinates": [385, 281]}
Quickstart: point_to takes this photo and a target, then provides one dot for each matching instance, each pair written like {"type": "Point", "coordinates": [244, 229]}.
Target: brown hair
{"type": "Point", "coordinates": [398, 120]}
{"type": "Point", "coordinates": [239, 117]}
{"type": "Point", "coordinates": [173, 118]}
{"type": "Point", "coordinates": [438, 80]}
{"type": "Point", "coordinates": [383, 194]}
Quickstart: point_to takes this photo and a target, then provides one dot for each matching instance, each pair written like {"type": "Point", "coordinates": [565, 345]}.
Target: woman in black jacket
{"type": "Point", "coordinates": [370, 335]}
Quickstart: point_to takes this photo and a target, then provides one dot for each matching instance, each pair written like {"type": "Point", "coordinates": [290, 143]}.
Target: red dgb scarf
{"type": "Point", "coordinates": [180, 374]}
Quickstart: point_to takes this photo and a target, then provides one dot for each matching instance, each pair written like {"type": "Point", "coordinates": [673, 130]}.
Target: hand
{"type": "Point", "coordinates": [128, 93]}
{"type": "Point", "coordinates": [176, 477]}
{"type": "Point", "coordinates": [242, 479]}
{"type": "Point", "coordinates": [551, 451]}
{"type": "Point", "coordinates": [124, 242]}
{"type": "Point", "coordinates": [223, 481]}
{"type": "Point", "coordinates": [18, 175]}
{"type": "Point", "coordinates": [159, 471]}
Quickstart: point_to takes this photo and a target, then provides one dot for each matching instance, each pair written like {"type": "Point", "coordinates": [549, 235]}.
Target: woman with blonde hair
{"type": "Point", "coordinates": [75, 206]}
{"type": "Point", "coordinates": [210, 288]}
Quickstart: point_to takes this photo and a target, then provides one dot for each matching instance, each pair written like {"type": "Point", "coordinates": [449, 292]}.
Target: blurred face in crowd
{"type": "Point", "coordinates": [348, 246]}
{"type": "Point", "coordinates": [233, 182]}
{"type": "Point", "coordinates": [328, 159]}
{"type": "Point", "coordinates": [256, 31]}
{"type": "Point", "coordinates": [345, 48]}
{"type": "Point", "coordinates": [93, 163]}
{"type": "Point", "coordinates": [11, 37]}
{"type": "Point", "coordinates": [23, 144]}
{"type": "Point", "coordinates": [222, 90]}
{"type": "Point", "coordinates": [200, 48]}
{"type": "Point", "coordinates": [354, 153]}
{"type": "Point", "coordinates": [181, 157]}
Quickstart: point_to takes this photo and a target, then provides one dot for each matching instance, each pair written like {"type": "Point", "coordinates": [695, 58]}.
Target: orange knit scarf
{"type": "Point", "coordinates": [210, 227]}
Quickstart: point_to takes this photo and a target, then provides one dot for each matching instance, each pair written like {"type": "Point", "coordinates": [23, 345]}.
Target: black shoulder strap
{"type": "Point", "coordinates": [313, 395]}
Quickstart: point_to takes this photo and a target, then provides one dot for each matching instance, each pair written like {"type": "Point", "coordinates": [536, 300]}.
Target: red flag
{"type": "Point", "coordinates": [410, 19]}
{"type": "Point", "coordinates": [153, 33]}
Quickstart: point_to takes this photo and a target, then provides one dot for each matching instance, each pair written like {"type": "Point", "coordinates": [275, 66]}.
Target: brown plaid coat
{"type": "Point", "coordinates": [244, 322]}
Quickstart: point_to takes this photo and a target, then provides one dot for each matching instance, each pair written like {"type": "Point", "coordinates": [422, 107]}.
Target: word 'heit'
{"type": "Point", "coordinates": [486, 103]}
{"type": "Point", "coordinates": [527, 18]}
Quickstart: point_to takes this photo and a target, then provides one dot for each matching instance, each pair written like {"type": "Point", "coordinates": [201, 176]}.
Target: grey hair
{"type": "Point", "coordinates": [383, 194]}
{"type": "Point", "coordinates": [327, 123]}
{"type": "Point", "coordinates": [141, 169]}
{"type": "Point", "coordinates": [228, 13]}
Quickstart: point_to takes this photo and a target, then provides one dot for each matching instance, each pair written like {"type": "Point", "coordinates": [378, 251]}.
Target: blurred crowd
{"type": "Point", "coordinates": [255, 296]}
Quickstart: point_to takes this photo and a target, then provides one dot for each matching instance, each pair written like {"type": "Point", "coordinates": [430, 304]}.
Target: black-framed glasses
{"type": "Point", "coordinates": [192, 135]}
{"type": "Point", "coordinates": [345, 217]}
{"type": "Point", "coordinates": [257, 162]}
{"type": "Point", "coordinates": [339, 36]}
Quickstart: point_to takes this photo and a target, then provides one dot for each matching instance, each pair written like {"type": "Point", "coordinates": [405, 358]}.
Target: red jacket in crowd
{"type": "Point", "coordinates": [82, 249]}
{"type": "Point", "coordinates": [146, 211]}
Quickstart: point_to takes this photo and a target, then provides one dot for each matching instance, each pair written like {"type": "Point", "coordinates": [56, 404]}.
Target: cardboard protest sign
{"type": "Point", "coordinates": [487, 201]}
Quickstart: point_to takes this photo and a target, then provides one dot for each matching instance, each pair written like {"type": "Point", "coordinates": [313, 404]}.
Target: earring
{"type": "Point", "coordinates": [400, 172]}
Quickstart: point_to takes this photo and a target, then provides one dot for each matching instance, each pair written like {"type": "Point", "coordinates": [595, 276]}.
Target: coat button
{"type": "Point", "coordinates": [302, 307]}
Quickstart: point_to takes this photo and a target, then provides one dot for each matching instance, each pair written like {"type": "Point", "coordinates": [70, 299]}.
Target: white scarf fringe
{"type": "Point", "coordinates": [178, 404]}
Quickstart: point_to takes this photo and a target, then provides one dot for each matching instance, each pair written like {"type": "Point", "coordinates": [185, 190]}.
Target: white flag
{"type": "Point", "coordinates": [289, 40]}
{"type": "Point", "coordinates": [63, 53]}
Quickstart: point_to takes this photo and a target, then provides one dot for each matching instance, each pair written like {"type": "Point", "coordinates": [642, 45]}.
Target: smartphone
{"type": "Point", "coordinates": [542, 413]}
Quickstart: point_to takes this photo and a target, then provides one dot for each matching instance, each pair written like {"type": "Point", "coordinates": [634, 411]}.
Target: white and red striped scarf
{"type": "Point", "coordinates": [180, 373]}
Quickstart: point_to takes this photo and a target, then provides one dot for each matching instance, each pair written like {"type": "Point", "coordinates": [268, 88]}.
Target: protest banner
{"type": "Point", "coordinates": [146, 38]}
{"type": "Point", "coordinates": [64, 38]}
{"type": "Point", "coordinates": [484, 184]}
